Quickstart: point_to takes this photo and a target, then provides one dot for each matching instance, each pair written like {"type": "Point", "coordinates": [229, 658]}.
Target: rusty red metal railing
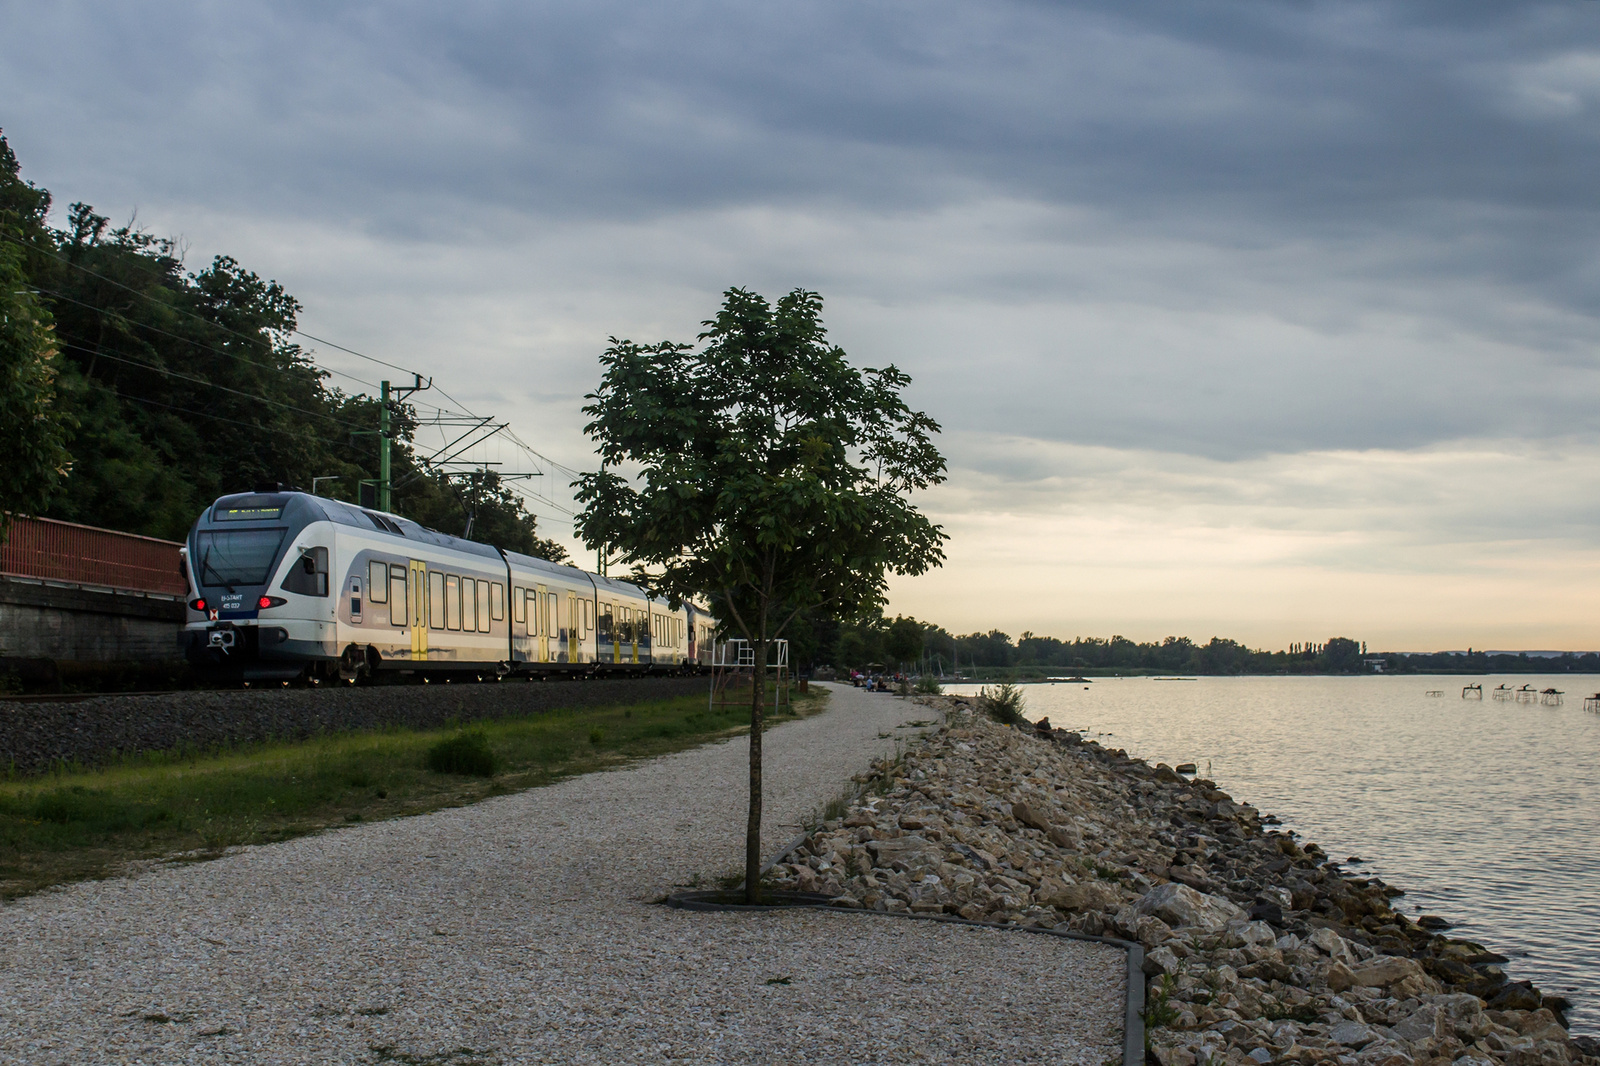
{"type": "Point", "coordinates": [83, 555]}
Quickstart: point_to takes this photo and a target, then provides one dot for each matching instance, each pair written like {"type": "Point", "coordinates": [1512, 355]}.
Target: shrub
{"type": "Point", "coordinates": [929, 685]}
{"type": "Point", "coordinates": [1003, 704]}
{"type": "Point", "coordinates": [597, 736]}
{"type": "Point", "coordinates": [465, 753]}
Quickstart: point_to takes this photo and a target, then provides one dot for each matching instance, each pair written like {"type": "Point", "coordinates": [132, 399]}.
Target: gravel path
{"type": "Point", "coordinates": [520, 930]}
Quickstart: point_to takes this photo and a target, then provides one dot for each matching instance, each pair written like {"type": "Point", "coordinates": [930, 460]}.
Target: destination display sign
{"type": "Point", "coordinates": [245, 514]}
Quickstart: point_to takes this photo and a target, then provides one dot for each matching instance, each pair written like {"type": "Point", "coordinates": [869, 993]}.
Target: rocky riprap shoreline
{"type": "Point", "coordinates": [36, 736]}
{"type": "Point", "coordinates": [1258, 948]}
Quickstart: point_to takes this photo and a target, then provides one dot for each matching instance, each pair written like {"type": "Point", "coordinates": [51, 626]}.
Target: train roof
{"type": "Point", "coordinates": [533, 562]}
{"type": "Point", "coordinates": [302, 508]}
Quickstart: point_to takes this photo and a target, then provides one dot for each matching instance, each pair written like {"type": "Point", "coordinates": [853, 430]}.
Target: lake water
{"type": "Point", "coordinates": [1486, 813]}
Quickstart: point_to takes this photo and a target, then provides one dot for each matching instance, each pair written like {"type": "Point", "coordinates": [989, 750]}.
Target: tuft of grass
{"type": "Point", "coordinates": [1158, 1013]}
{"type": "Point", "coordinates": [467, 753]}
{"type": "Point", "coordinates": [192, 805]}
{"type": "Point", "coordinates": [597, 736]}
{"type": "Point", "coordinates": [1004, 703]}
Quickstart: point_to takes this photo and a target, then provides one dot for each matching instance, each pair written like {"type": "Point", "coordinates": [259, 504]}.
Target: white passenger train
{"type": "Point", "coordinates": [286, 584]}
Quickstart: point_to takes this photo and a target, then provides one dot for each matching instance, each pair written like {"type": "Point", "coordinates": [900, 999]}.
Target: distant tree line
{"type": "Point", "coordinates": [133, 392]}
{"type": "Point", "coordinates": [901, 642]}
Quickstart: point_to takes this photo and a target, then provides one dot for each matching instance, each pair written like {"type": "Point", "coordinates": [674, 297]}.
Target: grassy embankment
{"type": "Point", "coordinates": [77, 825]}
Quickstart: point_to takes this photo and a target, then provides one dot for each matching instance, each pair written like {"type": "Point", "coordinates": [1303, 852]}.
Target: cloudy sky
{"type": "Point", "coordinates": [1267, 320]}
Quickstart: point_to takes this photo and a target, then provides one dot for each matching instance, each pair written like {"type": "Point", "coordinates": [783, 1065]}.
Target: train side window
{"type": "Point", "coordinates": [554, 613]}
{"type": "Point", "coordinates": [397, 596]}
{"type": "Point", "coordinates": [497, 601]}
{"type": "Point", "coordinates": [452, 602]}
{"type": "Point", "coordinates": [435, 600]}
{"type": "Point", "coordinates": [483, 606]}
{"type": "Point", "coordinates": [378, 582]}
{"type": "Point", "coordinates": [519, 605]}
{"type": "Point", "coordinates": [308, 576]}
{"type": "Point", "coordinates": [469, 605]}
{"type": "Point", "coordinates": [588, 616]}
{"type": "Point", "coordinates": [605, 621]}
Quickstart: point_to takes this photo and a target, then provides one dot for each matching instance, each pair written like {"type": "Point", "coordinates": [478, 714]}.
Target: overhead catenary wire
{"type": "Point", "coordinates": [503, 430]}
{"type": "Point", "coordinates": [107, 353]}
{"type": "Point", "coordinates": [315, 368]}
{"type": "Point", "coordinates": [145, 401]}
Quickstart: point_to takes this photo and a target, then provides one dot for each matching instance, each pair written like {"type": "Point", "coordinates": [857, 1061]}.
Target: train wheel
{"type": "Point", "coordinates": [353, 668]}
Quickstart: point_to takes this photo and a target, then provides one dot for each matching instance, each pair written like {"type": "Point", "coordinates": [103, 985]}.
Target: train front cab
{"type": "Point", "coordinates": [259, 566]}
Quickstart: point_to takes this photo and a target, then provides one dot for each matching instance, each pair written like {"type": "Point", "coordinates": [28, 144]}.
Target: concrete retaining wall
{"type": "Point", "coordinates": [69, 623]}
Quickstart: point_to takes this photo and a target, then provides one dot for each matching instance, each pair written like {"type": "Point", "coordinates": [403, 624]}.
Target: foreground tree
{"type": "Point", "coordinates": [767, 471]}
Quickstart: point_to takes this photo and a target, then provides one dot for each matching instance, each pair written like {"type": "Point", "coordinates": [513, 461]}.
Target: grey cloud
{"type": "Point", "coordinates": [1245, 228]}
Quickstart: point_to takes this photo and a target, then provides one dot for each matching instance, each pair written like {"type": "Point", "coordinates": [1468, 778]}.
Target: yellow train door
{"type": "Point", "coordinates": [572, 627]}
{"type": "Point", "coordinates": [544, 624]}
{"type": "Point", "coordinates": [417, 608]}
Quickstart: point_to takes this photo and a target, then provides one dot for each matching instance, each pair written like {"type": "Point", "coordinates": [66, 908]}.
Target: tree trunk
{"type": "Point", "coordinates": [752, 832]}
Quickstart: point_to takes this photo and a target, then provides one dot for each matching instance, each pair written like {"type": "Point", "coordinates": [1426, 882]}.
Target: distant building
{"type": "Point", "coordinates": [1375, 665]}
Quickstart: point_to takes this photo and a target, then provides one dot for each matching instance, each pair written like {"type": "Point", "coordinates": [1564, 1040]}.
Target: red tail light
{"type": "Point", "coordinates": [270, 601]}
{"type": "Point", "coordinates": [198, 604]}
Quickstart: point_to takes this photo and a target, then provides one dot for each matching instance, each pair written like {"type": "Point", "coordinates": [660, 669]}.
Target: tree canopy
{"type": "Point", "coordinates": [769, 470]}
{"type": "Point", "coordinates": [134, 391]}
{"type": "Point", "coordinates": [763, 468]}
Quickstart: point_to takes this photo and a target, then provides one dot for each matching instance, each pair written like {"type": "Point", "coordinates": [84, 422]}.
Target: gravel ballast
{"type": "Point", "coordinates": [34, 736]}
{"type": "Point", "coordinates": [521, 929]}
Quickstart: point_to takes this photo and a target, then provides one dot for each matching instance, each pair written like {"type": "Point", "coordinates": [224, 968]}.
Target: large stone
{"type": "Point", "coordinates": [1152, 931]}
{"type": "Point", "coordinates": [1161, 960]}
{"type": "Point", "coordinates": [1030, 817]}
{"type": "Point", "coordinates": [885, 852]}
{"type": "Point", "coordinates": [1089, 896]}
{"type": "Point", "coordinates": [1384, 1053]}
{"type": "Point", "coordinates": [1428, 1023]}
{"type": "Point", "coordinates": [1333, 945]}
{"type": "Point", "coordinates": [1381, 971]}
{"type": "Point", "coordinates": [1352, 1034]}
{"type": "Point", "coordinates": [1064, 838]}
{"type": "Point", "coordinates": [1251, 934]}
{"type": "Point", "coordinates": [1340, 977]}
{"type": "Point", "coordinates": [1182, 907]}
{"type": "Point", "coordinates": [1517, 995]}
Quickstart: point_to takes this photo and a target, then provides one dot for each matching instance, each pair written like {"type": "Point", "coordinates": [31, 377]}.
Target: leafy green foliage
{"type": "Point", "coordinates": [1004, 704]}
{"type": "Point", "coordinates": [136, 392]}
{"type": "Point", "coordinates": [769, 472]}
{"type": "Point", "coordinates": [769, 468]}
{"type": "Point", "coordinates": [467, 753]}
{"type": "Point", "coordinates": [903, 641]}
{"type": "Point", "coordinates": [33, 424]}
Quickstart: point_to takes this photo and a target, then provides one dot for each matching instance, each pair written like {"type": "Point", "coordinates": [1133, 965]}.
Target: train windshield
{"type": "Point", "coordinates": [238, 556]}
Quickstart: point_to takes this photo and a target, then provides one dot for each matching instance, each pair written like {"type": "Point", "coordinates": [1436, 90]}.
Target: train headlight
{"type": "Point", "coordinates": [198, 604]}
{"type": "Point", "coordinates": [270, 601]}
